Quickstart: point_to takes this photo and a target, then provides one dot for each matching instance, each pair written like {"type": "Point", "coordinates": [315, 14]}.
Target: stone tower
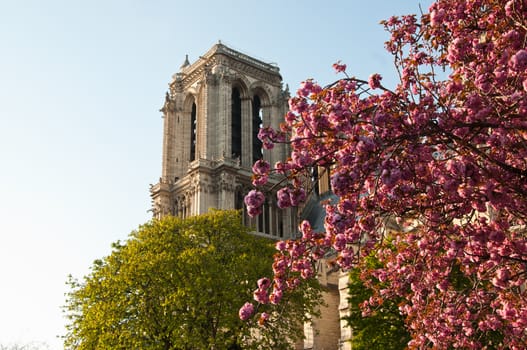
{"type": "Point", "coordinates": [212, 115]}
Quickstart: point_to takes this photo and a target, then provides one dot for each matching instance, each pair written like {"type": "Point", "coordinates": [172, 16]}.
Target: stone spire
{"type": "Point", "coordinates": [186, 63]}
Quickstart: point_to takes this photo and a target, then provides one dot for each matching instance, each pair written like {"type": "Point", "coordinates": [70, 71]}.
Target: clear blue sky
{"type": "Point", "coordinates": [81, 83]}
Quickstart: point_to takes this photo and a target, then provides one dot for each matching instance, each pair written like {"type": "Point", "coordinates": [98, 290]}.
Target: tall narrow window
{"type": "Point", "coordinates": [315, 181]}
{"type": "Point", "coordinates": [257, 122]}
{"type": "Point", "coordinates": [260, 222]}
{"type": "Point", "coordinates": [267, 218]}
{"type": "Point", "coordinates": [280, 220]}
{"type": "Point", "coordinates": [193, 132]}
{"type": "Point", "coordinates": [236, 124]}
{"type": "Point", "coordinates": [263, 223]}
{"type": "Point", "coordinates": [239, 205]}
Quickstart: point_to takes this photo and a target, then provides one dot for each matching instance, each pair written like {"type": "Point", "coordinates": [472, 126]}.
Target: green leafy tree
{"type": "Point", "coordinates": [378, 325]}
{"type": "Point", "coordinates": [179, 284]}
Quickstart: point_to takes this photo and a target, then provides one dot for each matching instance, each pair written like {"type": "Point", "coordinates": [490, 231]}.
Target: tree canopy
{"type": "Point", "coordinates": [178, 284]}
{"type": "Point", "coordinates": [443, 154]}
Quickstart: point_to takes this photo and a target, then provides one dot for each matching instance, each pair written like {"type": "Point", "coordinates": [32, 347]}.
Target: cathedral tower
{"type": "Point", "coordinates": [212, 115]}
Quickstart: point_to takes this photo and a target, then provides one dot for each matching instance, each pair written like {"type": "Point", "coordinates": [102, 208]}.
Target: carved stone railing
{"type": "Point", "coordinates": [253, 61]}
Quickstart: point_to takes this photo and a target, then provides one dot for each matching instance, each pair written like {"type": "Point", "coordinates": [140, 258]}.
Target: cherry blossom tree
{"type": "Point", "coordinates": [442, 156]}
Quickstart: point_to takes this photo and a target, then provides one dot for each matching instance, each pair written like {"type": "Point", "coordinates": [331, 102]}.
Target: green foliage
{"type": "Point", "coordinates": [381, 327]}
{"type": "Point", "coordinates": [178, 284]}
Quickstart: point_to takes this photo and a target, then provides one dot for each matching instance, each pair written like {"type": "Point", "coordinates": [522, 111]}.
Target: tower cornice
{"type": "Point", "coordinates": [221, 55]}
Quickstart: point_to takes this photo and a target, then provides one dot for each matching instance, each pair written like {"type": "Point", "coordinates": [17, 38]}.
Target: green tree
{"type": "Point", "coordinates": [178, 284]}
{"type": "Point", "coordinates": [380, 327]}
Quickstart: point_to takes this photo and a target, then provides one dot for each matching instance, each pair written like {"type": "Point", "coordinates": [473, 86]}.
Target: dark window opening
{"type": "Point", "coordinates": [239, 205]}
{"type": "Point", "coordinates": [267, 213]}
{"type": "Point", "coordinates": [257, 122]}
{"type": "Point", "coordinates": [263, 219]}
{"type": "Point", "coordinates": [280, 226]}
{"type": "Point", "coordinates": [236, 124]}
{"type": "Point", "coordinates": [193, 132]}
{"type": "Point", "coordinates": [315, 180]}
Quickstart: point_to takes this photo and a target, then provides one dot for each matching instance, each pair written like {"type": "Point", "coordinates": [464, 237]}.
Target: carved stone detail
{"type": "Point", "coordinates": [221, 55]}
{"type": "Point", "coordinates": [169, 105]}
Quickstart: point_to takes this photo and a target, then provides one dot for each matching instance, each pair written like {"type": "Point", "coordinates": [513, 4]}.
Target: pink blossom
{"type": "Point", "coordinates": [254, 198]}
{"type": "Point", "coordinates": [284, 197]}
{"type": "Point", "coordinates": [261, 167]}
{"type": "Point", "coordinates": [374, 81]}
{"type": "Point", "coordinates": [254, 211]}
{"type": "Point", "coordinates": [306, 88]}
{"type": "Point", "coordinates": [261, 296]}
{"type": "Point", "coordinates": [280, 245]}
{"type": "Point", "coordinates": [293, 283]}
{"type": "Point", "coordinates": [518, 62]}
{"type": "Point", "coordinates": [509, 8]}
{"type": "Point", "coordinates": [340, 242]}
{"type": "Point", "coordinates": [502, 277]}
{"type": "Point", "coordinates": [263, 318]}
{"type": "Point", "coordinates": [279, 267]}
{"type": "Point", "coordinates": [436, 17]}
{"type": "Point", "coordinates": [302, 158]}
{"type": "Point", "coordinates": [276, 296]}
{"type": "Point", "coordinates": [259, 180]}
{"type": "Point", "coordinates": [264, 283]}
{"type": "Point", "coordinates": [246, 311]}
{"type": "Point", "coordinates": [297, 196]}
{"type": "Point", "coordinates": [254, 201]}
{"type": "Point", "coordinates": [307, 272]}
{"type": "Point", "coordinates": [269, 136]}
{"type": "Point", "coordinates": [339, 67]}
{"type": "Point", "coordinates": [446, 153]}
{"type": "Point", "coordinates": [305, 228]}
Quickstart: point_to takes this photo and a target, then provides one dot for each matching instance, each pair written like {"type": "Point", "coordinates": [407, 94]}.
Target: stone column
{"type": "Point", "coordinates": [167, 172]}
{"type": "Point", "coordinates": [207, 125]}
{"type": "Point", "coordinates": [246, 159]}
{"type": "Point", "coordinates": [223, 118]}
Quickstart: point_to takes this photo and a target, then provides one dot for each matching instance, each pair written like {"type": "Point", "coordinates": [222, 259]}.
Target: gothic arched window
{"type": "Point", "coordinates": [193, 132]}
{"type": "Point", "coordinates": [257, 122]}
{"type": "Point", "coordinates": [236, 124]}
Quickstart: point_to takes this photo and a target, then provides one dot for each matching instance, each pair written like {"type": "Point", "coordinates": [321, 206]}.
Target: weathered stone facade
{"type": "Point", "coordinates": [212, 114]}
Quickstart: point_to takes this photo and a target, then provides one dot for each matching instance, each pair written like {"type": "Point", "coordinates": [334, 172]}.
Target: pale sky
{"type": "Point", "coordinates": [81, 84]}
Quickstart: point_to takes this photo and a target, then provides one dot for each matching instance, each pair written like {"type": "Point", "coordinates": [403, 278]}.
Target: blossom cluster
{"type": "Point", "coordinates": [254, 201]}
{"type": "Point", "coordinates": [437, 165]}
